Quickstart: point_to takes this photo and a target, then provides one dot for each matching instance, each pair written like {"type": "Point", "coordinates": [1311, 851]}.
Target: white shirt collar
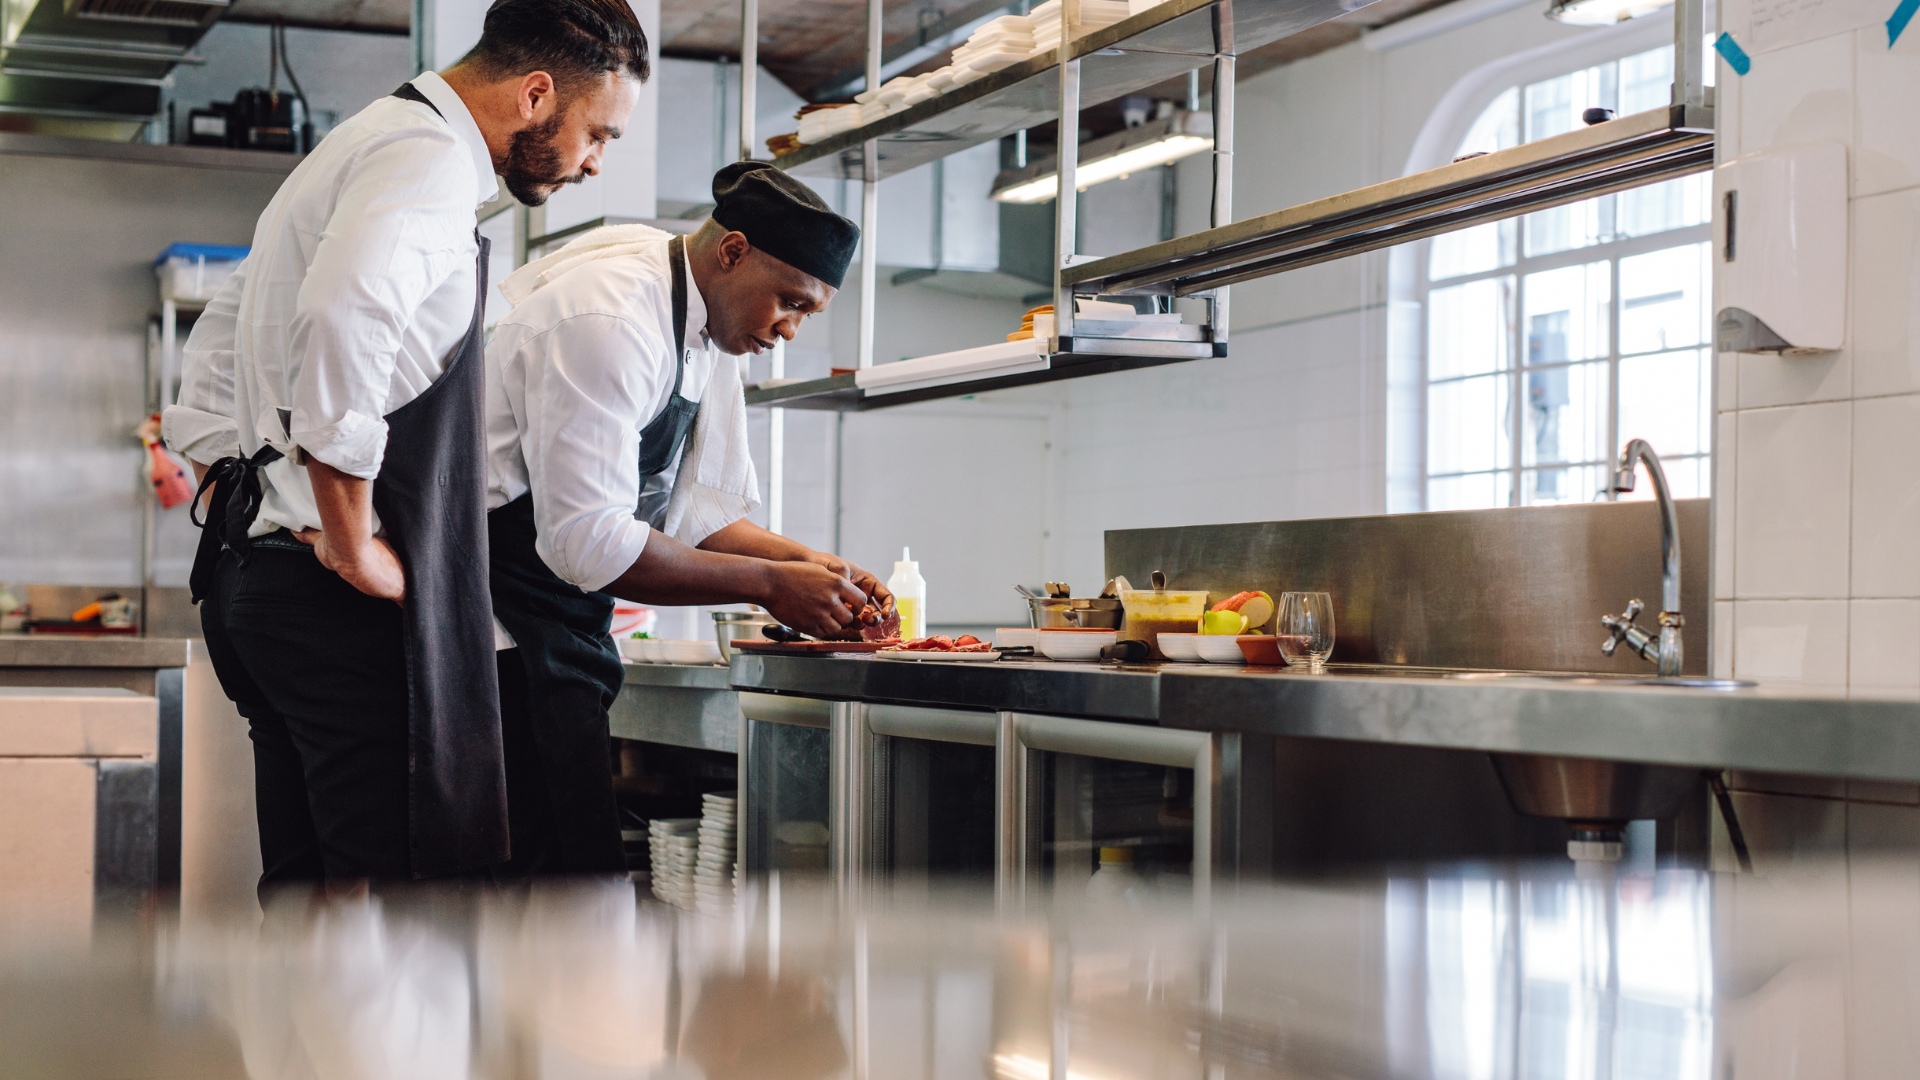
{"type": "Point", "coordinates": [696, 328]}
{"type": "Point", "coordinates": [460, 118]}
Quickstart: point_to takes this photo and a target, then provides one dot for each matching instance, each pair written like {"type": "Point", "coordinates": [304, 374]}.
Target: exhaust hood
{"type": "Point", "coordinates": [93, 68]}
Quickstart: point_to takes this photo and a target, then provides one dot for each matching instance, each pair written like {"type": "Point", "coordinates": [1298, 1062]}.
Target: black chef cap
{"type": "Point", "coordinates": [784, 218]}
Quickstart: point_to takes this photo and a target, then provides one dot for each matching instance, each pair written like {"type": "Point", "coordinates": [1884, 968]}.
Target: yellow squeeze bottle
{"type": "Point", "coordinates": [909, 596]}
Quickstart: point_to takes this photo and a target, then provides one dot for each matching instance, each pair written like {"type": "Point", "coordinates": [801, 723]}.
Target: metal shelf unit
{"type": "Point", "coordinates": [1640, 149]}
{"type": "Point", "coordinates": [1164, 42]}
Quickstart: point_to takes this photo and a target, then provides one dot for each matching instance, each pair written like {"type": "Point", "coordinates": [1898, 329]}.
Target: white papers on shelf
{"type": "Point", "coordinates": [986, 361]}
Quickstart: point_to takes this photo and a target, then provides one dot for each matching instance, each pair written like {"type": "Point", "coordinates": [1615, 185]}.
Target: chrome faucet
{"type": "Point", "coordinates": [1665, 651]}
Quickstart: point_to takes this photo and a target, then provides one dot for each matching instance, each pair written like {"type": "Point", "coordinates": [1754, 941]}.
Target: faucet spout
{"type": "Point", "coordinates": [1639, 452]}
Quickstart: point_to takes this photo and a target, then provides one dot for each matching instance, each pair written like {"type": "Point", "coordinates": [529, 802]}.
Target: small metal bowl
{"type": "Point", "coordinates": [728, 625]}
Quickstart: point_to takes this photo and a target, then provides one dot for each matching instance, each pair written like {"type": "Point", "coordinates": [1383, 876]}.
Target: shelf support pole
{"type": "Point", "coordinates": [1689, 36]}
{"type": "Point", "coordinates": [1066, 202]}
{"type": "Point", "coordinates": [749, 74]}
{"type": "Point", "coordinates": [870, 198]}
{"type": "Point", "coordinates": [1223, 86]}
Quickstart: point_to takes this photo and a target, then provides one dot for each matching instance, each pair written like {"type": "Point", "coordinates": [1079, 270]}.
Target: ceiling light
{"type": "Point", "coordinates": [1156, 142]}
{"type": "Point", "coordinates": [1602, 12]}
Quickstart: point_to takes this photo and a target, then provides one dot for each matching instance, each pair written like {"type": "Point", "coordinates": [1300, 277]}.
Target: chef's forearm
{"type": "Point", "coordinates": [671, 573]}
{"type": "Point", "coordinates": [345, 503]}
{"type": "Point", "coordinates": [743, 537]}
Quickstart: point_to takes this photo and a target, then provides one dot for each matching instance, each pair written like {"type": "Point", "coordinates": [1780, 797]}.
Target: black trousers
{"type": "Point", "coordinates": [318, 668]}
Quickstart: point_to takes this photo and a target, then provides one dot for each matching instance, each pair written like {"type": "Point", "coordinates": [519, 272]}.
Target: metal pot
{"type": "Point", "coordinates": [728, 625]}
{"type": "Point", "coordinates": [1047, 612]}
{"type": "Point", "coordinates": [1097, 613]}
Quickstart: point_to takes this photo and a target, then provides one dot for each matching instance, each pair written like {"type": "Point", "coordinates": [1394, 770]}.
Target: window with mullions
{"type": "Point", "coordinates": [1555, 337]}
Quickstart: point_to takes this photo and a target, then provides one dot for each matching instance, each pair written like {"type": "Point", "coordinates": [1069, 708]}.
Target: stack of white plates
{"type": "Point", "coordinates": [713, 875]}
{"type": "Point", "coordinates": [1094, 14]}
{"type": "Point", "coordinates": [673, 847]}
{"type": "Point", "coordinates": [1006, 40]}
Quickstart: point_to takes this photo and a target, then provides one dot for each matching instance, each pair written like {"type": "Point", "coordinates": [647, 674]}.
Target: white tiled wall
{"type": "Point", "coordinates": [1818, 513]}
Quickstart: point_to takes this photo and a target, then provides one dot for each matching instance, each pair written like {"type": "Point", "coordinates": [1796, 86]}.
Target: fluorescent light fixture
{"type": "Point", "coordinates": [1602, 12]}
{"type": "Point", "coordinates": [1156, 142]}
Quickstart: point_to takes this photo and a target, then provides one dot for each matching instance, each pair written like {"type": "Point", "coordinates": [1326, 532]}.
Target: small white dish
{"type": "Point", "coordinates": [1075, 645]}
{"type": "Point", "coordinates": [1218, 648]}
{"type": "Point", "coordinates": [1014, 637]}
{"type": "Point", "coordinates": [1180, 647]}
{"type": "Point", "coordinates": [688, 652]}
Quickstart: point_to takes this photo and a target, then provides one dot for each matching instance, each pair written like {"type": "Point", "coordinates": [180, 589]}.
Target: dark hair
{"type": "Point", "coordinates": [575, 41]}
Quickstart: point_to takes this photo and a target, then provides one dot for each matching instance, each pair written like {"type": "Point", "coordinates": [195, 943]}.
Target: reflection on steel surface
{"type": "Point", "coordinates": [1470, 973]}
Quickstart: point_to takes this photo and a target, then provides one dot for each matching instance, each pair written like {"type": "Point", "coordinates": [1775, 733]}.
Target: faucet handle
{"type": "Point", "coordinates": [1621, 628]}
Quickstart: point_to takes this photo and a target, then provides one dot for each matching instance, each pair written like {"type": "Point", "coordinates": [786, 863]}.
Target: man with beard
{"type": "Point", "coordinates": [332, 402]}
{"type": "Point", "coordinates": [618, 467]}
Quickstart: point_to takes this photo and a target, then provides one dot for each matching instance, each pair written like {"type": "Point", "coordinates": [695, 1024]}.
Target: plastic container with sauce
{"type": "Point", "coordinates": [1149, 612]}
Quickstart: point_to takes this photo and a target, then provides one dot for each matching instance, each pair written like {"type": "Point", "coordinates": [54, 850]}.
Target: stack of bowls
{"type": "Point", "coordinates": [673, 846]}
{"type": "Point", "coordinates": [713, 865]}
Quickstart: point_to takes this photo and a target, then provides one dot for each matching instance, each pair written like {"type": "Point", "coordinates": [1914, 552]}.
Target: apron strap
{"type": "Point", "coordinates": [226, 478]}
{"type": "Point", "coordinates": [676, 255]}
{"type": "Point", "coordinates": [410, 92]}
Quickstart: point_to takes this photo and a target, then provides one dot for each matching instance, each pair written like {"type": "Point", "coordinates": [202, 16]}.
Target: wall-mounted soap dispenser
{"type": "Point", "coordinates": [1780, 239]}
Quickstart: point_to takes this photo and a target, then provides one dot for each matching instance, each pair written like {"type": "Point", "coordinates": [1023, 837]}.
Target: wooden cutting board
{"type": "Point", "coordinates": [809, 647]}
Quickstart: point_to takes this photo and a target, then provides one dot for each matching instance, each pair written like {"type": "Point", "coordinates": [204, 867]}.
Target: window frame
{"type": "Point", "coordinates": [1515, 470]}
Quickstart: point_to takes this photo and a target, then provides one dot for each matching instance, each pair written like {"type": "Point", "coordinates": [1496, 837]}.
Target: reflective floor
{"type": "Point", "coordinates": [1461, 973]}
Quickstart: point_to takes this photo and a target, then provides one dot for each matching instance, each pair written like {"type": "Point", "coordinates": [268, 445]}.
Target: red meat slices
{"type": "Point", "coordinates": [943, 643]}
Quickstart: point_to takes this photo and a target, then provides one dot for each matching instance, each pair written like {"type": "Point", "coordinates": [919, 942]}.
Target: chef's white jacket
{"type": "Point", "coordinates": [359, 285]}
{"type": "Point", "coordinates": [574, 374]}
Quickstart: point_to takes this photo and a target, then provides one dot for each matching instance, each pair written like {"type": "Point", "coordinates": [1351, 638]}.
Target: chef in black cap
{"type": "Point", "coordinates": [618, 467]}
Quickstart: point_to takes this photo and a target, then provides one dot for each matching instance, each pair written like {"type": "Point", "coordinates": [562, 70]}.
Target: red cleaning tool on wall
{"type": "Point", "coordinates": [170, 483]}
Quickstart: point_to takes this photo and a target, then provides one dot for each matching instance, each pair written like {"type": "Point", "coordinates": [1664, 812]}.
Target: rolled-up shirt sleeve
{"type": "Point", "coordinates": [400, 227]}
{"type": "Point", "coordinates": [200, 423]}
{"type": "Point", "coordinates": [587, 378]}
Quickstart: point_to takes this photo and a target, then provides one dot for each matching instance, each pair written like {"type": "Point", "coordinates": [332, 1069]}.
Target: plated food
{"type": "Point", "coordinates": [941, 643]}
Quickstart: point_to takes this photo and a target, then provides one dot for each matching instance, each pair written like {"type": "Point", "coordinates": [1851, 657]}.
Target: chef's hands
{"type": "Point", "coordinates": [812, 598]}
{"type": "Point", "coordinates": [373, 568]}
{"type": "Point", "coordinates": [869, 585]}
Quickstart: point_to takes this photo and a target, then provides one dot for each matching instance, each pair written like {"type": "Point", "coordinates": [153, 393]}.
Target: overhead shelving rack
{"type": "Point", "coordinates": [1166, 42]}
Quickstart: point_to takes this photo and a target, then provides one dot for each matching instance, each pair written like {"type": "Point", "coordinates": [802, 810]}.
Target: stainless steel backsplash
{"type": "Point", "coordinates": [1519, 589]}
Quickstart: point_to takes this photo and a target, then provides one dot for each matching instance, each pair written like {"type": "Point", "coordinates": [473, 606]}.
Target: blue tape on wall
{"type": "Point", "coordinates": [1902, 15]}
{"type": "Point", "coordinates": [1737, 58]}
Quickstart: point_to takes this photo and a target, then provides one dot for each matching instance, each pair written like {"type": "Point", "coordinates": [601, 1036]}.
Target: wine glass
{"type": "Point", "coordinates": [1307, 617]}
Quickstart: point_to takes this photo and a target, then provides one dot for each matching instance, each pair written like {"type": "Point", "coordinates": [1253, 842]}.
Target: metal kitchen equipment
{"type": "Point", "coordinates": [1666, 651]}
{"type": "Point", "coordinates": [731, 625]}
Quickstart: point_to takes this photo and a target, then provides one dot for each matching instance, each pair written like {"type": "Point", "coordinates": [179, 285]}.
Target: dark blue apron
{"type": "Point", "coordinates": [572, 667]}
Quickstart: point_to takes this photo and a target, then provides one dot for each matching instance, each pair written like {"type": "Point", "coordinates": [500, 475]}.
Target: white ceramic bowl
{"type": "Point", "coordinates": [1075, 644]}
{"type": "Point", "coordinates": [688, 652]}
{"type": "Point", "coordinates": [640, 650]}
{"type": "Point", "coordinates": [1218, 648]}
{"type": "Point", "coordinates": [1180, 647]}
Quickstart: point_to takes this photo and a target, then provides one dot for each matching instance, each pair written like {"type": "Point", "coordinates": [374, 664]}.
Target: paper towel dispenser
{"type": "Point", "coordinates": [1780, 238]}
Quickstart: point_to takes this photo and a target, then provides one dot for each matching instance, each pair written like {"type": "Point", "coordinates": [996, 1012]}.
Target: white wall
{"type": "Point", "coordinates": [1817, 584]}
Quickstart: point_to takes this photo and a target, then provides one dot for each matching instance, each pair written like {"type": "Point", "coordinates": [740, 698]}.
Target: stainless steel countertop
{"type": "Point", "coordinates": [678, 705]}
{"type": "Point", "coordinates": [27, 650]}
{"type": "Point", "coordinates": [1619, 720]}
{"type": "Point", "coordinates": [1100, 691]}
{"type": "Point", "coordinates": [1762, 730]}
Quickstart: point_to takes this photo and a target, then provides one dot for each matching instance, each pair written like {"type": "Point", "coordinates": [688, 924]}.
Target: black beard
{"type": "Point", "coordinates": [532, 168]}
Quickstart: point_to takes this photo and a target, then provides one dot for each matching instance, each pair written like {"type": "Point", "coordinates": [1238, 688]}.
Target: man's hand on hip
{"type": "Point", "coordinates": [374, 569]}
